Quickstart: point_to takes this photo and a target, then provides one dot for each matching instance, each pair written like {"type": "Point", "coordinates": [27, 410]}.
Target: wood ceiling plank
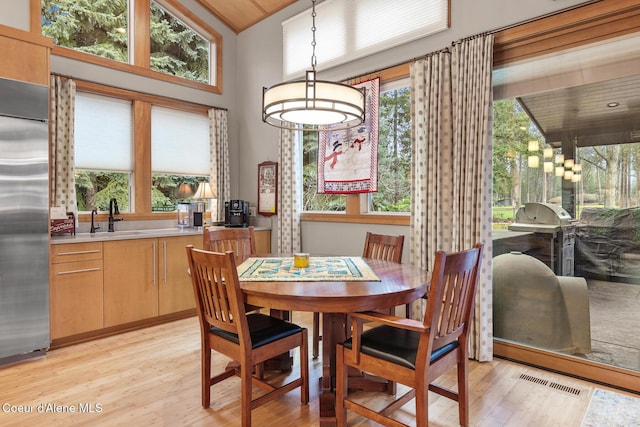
{"type": "Point", "coordinates": [241, 14]}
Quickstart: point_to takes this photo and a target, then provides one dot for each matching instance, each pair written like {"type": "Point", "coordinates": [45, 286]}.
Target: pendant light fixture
{"type": "Point", "coordinates": [313, 102]}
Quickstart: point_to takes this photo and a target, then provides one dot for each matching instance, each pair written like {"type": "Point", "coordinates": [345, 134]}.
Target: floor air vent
{"type": "Point", "coordinates": [560, 387]}
{"type": "Point", "coordinates": [533, 379]}
{"type": "Point", "coordinates": [566, 388]}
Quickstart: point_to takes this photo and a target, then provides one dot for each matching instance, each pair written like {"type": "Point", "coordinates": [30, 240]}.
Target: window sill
{"type": "Point", "coordinates": [389, 219]}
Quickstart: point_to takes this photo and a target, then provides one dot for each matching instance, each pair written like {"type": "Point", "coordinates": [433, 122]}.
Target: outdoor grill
{"type": "Point", "coordinates": [553, 238]}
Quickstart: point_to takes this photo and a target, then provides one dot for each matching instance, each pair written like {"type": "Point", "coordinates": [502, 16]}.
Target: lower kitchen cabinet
{"type": "Point", "coordinates": [145, 278]}
{"type": "Point", "coordinates": [263, 241]}
{"type": "Point", "coordinates": [130, 280]}
{"type": "Point", "coordinates": [76, 297]}
{"type": "Point", "coordinates": [175, 289]}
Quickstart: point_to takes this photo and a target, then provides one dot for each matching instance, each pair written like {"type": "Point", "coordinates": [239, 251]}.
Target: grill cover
{"type": "Point", "coordinates": [541, 217]}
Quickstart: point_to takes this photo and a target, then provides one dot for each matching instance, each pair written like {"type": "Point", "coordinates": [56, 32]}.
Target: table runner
{"type": "Point", "coordinates": [320, 269]}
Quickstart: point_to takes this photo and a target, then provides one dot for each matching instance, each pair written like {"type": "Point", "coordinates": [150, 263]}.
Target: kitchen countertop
{"type": "Point", "coordinates": [104, 236]}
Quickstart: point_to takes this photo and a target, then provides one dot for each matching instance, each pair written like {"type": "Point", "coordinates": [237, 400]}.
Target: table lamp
{"type": "Point", "coordinates": [205, 192]}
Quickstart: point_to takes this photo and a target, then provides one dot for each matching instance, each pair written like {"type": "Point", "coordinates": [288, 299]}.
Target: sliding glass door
{"type": "Point", "coordinates": [566, 195]}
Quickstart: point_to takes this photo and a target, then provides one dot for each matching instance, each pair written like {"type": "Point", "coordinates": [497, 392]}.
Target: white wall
{"type": "Point", "coordinates": [15, 13]}
{"type": "Point", "coordinates": [260, 64]}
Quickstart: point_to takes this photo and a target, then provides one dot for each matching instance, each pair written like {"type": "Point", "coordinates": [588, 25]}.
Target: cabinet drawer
{"type": "Point", "coordinates": [69, 252]}
{"type": "Point", "coordinates": [76, 298]}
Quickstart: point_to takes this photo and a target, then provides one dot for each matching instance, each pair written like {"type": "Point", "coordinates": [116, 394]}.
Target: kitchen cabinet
{"type": "Point", "coordinates": [175, 289]}
{"type": "Point", "coordinates": [130, 280]}
{"type": "Point", "coordinates": [263, 241]}
{"type": "Point", "coordinates": [76, 294]}
{"type": "Point", "coordinates": [25, 56]}
{"type": "Point", "coordinates": [146, 278]}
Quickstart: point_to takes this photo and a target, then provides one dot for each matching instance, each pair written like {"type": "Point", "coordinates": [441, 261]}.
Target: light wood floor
{"type": "Point", "coordinates": [151, 377]}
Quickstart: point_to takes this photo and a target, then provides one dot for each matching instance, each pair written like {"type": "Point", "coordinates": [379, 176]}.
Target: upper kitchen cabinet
{"type": "Point", "coordinates": [25, 55]}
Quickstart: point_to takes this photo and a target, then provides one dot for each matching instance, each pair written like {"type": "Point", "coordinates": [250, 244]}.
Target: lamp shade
{"type": "Point", "coordinates": [204, 192]}
{"type": "Point", "coordinates": [184, 191]}
{"type": "Point", "coordinates": [533, 146]}
{"type": "Point", "coordinates": [313, 102]}
{"type": "Point", "coordinates": [533, 161]}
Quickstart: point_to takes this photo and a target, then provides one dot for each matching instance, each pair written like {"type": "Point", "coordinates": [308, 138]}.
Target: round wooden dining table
{"type": "Point", "coordinates": [398, 284]}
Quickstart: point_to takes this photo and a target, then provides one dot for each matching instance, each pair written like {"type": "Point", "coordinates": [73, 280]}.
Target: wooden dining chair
{"type": "Point", "coordinates": [242, 241]}
{"type": "Point", "coordinates": [249, 339]}
{"type": "Point", "coordinates": [377, 246]}
{"type": "Point", "coordinates": [416, 353]}
{"type": "Point", "coordinates": [382, 246]}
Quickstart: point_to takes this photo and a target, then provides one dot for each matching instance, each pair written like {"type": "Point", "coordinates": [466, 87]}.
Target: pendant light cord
{"type": "Point", "coordinates": [314, 60]}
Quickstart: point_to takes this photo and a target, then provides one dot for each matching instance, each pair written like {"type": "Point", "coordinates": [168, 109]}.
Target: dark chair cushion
{"type": "Point", "coordinates": [263, 329]}
{"type": "Point", "coordinates": [396, 345]}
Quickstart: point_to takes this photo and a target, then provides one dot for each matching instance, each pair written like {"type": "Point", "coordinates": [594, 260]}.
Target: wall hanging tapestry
{"type": "Point", "coordinates": [321, 269]}
{"type": "Point", "coordinates": [348, 159]}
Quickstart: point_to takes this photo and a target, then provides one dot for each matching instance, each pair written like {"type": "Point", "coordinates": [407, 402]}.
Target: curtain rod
{"type": "Point", "coordinates": [145, 93]}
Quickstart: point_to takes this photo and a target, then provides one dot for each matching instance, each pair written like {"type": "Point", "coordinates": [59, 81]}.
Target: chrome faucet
{"type": "Point", "coordinates": [113, 210]}
{"type": "Point", "coordinates": [94, 227]}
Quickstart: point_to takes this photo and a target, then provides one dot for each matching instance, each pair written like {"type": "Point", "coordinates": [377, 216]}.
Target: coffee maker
{"type": "Point", "coordinates": [191, 214]}
{"type": "Point", "coordinates": [236, 213]}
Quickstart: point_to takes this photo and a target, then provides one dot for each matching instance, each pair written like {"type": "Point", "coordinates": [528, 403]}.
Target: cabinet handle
{"type": "Point", "coordinates": [94, 251]}
{"type": "Point", "coordinates": [84, 270]}
{"type": "Point", "coordinates": [164, 247]}
{"type": "Point", "coordinates": [155, 267]}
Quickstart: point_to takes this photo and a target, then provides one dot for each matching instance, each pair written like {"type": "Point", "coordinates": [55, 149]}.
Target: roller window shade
{"type": "Point", "coordinates": [103, 133]}
{"type": "Point", "coordinates": [350, 29]}
{"type": "Point", "coordinates": [179, 142]}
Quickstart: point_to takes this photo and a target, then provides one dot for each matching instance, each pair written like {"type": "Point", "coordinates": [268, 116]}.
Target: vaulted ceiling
{"type": "Point", "coordinates": [241, 14]}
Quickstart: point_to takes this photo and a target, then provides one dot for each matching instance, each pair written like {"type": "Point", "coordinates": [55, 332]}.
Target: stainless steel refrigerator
{"type": "Point", "coordinates": [24, 230]}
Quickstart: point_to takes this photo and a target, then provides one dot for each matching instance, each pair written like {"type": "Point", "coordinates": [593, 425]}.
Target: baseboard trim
{"type": "Point", "coordinates": [115, 330]}
{"type": "Point", "coordinates": [612, 376]}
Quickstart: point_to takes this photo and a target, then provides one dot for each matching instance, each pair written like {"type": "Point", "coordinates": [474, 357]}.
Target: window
{"type": "Point", "coordinates": [311, 199]}
{"type": "Point", "coordinates": [99, 28]}
{"type": "Point", "coordinates": [103, 152]}
{"type": "Point", "coordinates": [394, 150]}
{"type": "Point", "coordinates": [351, 29]}
{"type": "Point", "coordinates": [176, 49]}
{"type": "Point", "coordinates": [394, 159]}
{"type": "Point", "coordinates": [122, 157]}
{"type": "Point", "coordinates": [108, 33]}
{"type": "Point", "coordinates": [180, 156]}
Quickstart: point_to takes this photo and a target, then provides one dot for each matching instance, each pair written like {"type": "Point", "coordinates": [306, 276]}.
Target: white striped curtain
{"type": "Point", "coordinates": [61, 140]}
{"type": "Point", "coordinates": [452, 171]}
{"type": "Point", "coordinates": [219, 143]}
